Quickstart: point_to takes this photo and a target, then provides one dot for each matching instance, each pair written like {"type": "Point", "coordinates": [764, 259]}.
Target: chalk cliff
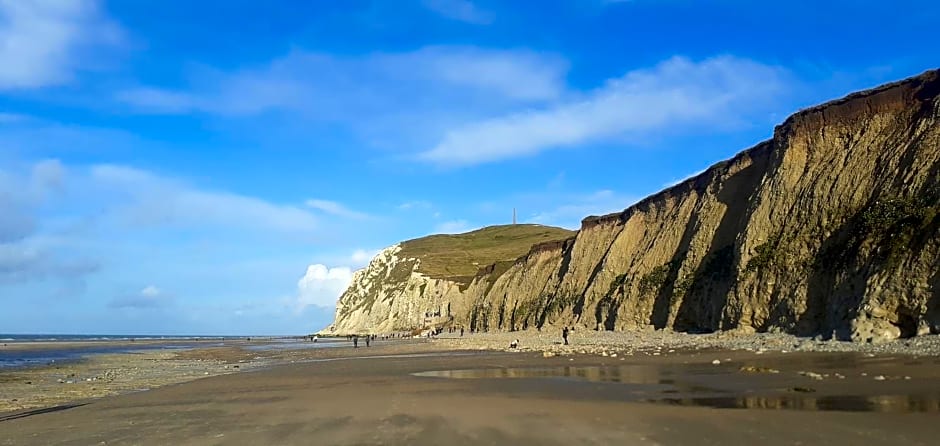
{"type": "Point", "coordinates": [422, 282]}
{"type": "Point", "coordinates": [829, 228]}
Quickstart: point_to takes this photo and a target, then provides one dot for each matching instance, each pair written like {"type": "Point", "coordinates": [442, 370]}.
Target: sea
{"type": "Point", "coordinates": [36, 350]}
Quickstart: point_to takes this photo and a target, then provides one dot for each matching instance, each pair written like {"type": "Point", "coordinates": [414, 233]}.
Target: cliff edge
{"type": "Point", "coordinates": [830, 228]}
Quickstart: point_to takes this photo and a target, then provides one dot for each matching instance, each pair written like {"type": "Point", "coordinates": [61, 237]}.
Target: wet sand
{"type": "Point", "coordinates": [86, 376]}
{"type": "Point", "coordinates": [339, 397]}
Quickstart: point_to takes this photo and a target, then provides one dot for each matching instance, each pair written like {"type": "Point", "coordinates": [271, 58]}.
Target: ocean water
{"type": "Point", "coordinates": [93, 337]}
{"type": "Point", "coordinates": [25, 355]}
{"type": "Point", "coordinates": [83, 346]}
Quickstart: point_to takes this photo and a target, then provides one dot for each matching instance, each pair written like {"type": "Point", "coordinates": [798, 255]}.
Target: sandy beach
{"type": "Point", "coordinates": [99, 375]}
{"type": "Point", "coordinates": [431, 393]}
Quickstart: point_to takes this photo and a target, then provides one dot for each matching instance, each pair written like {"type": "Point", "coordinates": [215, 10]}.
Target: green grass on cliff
{"type": "Point", "coordinates": [459, 256]}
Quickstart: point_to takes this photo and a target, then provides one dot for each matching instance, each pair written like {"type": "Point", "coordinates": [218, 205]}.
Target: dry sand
{"type": "Point", "coordinates": [337, 396]}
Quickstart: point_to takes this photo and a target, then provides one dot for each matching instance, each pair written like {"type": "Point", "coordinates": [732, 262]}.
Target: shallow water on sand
{"type": "Point", "coordinates": [11, 359]}
{"type": "Point", "coordinates": [841, 403]}
{"type": "Point", "coordinates": [683, 386]}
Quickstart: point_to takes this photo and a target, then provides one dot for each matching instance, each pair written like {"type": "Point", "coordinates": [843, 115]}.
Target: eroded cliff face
{"type": "Point", "coordinates": [390, 295]}
{"type": "Point", "coordinates": [830, 228]}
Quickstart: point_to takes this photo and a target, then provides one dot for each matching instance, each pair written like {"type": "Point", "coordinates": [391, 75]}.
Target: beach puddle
{"type": "Point", "coordinates": [842, 403]}
{"type": "Point", "coordinates": [682, 388]}
{"type": "Point", "coordinates": [626, 374]}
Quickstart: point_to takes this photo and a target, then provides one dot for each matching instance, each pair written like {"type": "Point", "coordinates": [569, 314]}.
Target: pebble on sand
{"type": "Point", "coordinates": [813, 375]}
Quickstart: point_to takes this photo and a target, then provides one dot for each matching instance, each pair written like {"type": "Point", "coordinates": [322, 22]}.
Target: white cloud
{"type": "Point", "coordinates": [149, 297]}
{"type": "Point", "coordinates": [22, 256]}
{"type": "Point", "coordinates": [334, 208]}
{"type": "Point", "coordinates": [245, 93]}
{"type": "Point", "coordinates": [677, 92]}
{"type": "Point", "coordinates": [162, 100]}
{"type": "Point", "coordinates": [48, 175]}
{"type": "Point", "coordinates": [461, 10]}
{"type": "Point", "coordinates": [18, 220]}
{"type": "Point", "coordinates": [416, 204]}
{"type": "Point", "coordinates": [322, 286]}
{"type": "Point", "coordinates": [42, 42]}
{"type": "Point", "coordinates": [453, 227]}
{"type": "Point", "coordinates": [331, 88]}
{"type": "Point", "coordinates": [517, 74]}
{"type": "Point", "coordinates": [21, 194]}
{"type": "Point", "coordinates": [22, 261]}
{"type": "Point", "coordinates": [153, 200]}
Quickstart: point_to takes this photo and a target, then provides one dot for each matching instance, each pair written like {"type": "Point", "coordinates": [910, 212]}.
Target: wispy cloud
{"type": "Point", "coordinates": [147, 199]}
{"type": "Point", "coordinates": [24, 261]}
{"type": "Point", "coordinates": [332, 88]}
{"type": "Point", "coordinates": [461, 10]}
{"type": "Point", "coordinates": [516, 74]}
{"type": "Point", "coordinates": [676, 93]}
{"type": "Point", "coordinates": [24, 256]}
{"type": "Point", "coordinates": [337, 209]}
{"type": "Point", "coordinates": [43, 42]}
{"type": "Point", "coordinates": [148, 297]}
{"type": "Point", "coordinates": [415, 204]}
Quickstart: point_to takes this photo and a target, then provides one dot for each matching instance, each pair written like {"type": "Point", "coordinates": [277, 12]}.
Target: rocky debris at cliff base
{"type": "Point", "coordinates": [813, 375]}
{"type": "Point", "coordinates": [756, 369]}
{"type": "Point", "coordinates": [665, 343]}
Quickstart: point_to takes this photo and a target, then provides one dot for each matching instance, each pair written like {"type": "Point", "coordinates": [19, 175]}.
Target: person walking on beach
{"type": "Point", "coordinates": [564, 334]}
{"type": "Point", "coordinates": [461, 332]}
{"type": "Point", "coordinates": [367, 340]}
{"type": "Point", "coordinates": [355, 341]}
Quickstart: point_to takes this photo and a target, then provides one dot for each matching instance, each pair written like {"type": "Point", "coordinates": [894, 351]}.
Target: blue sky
{"type": "Point", "coordinates": [220, 167]}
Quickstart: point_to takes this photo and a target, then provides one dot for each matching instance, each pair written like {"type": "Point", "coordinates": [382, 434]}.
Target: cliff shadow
{"type": "Point", "coordinates": [835, 286]}
{"type": "Point", "coordinates": [578, 308]}
{"type": "Point", "coordinates": [933, 303]}
{"type": "Point", "coordinates": [707, 290]}
{"type": "Point", "coordinates": [607, 315]}
{"type": "Point", "coordinates": [883, 237]}
{"type": "Point", "coordinates": [554, 302]}
{"type": "Point", "coordinates": [662, 303]}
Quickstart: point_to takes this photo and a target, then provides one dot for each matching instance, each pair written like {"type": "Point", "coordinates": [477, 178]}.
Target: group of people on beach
{"type": "Point", "coordinates": [565, 332]}
{"type": "Point", "coordinates": [564, 336]}
{"type": "Point", "coordinates": [368, 338]}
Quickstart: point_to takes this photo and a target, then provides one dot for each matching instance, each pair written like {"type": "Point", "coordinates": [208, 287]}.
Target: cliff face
{"type": "Point", "coordinates": [831, 227]}
{"type": "Point", "coordinates": [423, 282]}
{"type": "Point", "coordinates": [391, 295]}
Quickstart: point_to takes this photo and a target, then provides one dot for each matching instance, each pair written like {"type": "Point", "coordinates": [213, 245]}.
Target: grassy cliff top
{"type": "Point", "coordinates": [461, 255]}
